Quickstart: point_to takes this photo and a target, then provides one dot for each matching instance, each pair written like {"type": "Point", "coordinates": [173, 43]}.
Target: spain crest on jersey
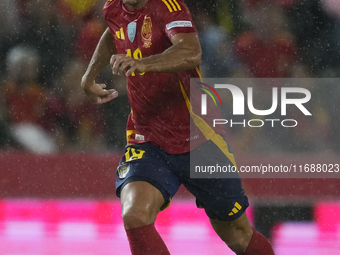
{"type": "Point", "coordinates": [147, 31]}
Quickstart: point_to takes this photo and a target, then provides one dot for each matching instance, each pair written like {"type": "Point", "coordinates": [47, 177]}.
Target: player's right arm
{"type": "Point", "coordinates": [100, 59]}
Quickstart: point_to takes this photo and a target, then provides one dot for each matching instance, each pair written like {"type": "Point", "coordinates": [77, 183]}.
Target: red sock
{"type": "Point", "coordinates": [259, 245]}
{"type": "Point", "coordinates": [146, 241]}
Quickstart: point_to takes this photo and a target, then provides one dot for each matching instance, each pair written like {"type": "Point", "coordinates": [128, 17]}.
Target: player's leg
{"type": "Point", "coordinates": [236, 234]}
{"type": "Point", "coordinates": [227, 215]}
{"type": "Point", "coordinates": [145, 185]}
{"type": "Point", "coordinates": [224, 200]}
{"type": "Point", "coordinates": [141, 203]}
{"type": "Point", "coordinates": [241, 237]}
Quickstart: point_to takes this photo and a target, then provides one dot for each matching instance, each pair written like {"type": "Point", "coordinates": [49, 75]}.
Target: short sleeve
{"type": "Point", "coordinates": [176, 18]}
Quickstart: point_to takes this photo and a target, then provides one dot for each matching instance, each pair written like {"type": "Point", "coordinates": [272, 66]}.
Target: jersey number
{"type": "Point", "coordinates": [133, 154]}
{"type": "Point", "coordinates": [137, 54]}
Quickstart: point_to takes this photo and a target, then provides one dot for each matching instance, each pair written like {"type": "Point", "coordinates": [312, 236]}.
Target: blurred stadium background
{"type": "Point", "coordinates": [58, 152]}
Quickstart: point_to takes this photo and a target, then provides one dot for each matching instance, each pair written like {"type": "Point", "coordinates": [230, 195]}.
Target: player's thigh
{"type": "Point", "coordinates": [144, 180]}
{"type": "Point", "coordinates": [140, 202]}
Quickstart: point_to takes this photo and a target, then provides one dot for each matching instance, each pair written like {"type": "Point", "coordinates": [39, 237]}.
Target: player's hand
{"type": "Point", "coordinates": [97, 92]}
{"type": "Point", "coordinates": [120, 63]}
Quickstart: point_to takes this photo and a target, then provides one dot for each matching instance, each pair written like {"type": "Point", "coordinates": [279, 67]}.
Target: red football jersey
{"type": "Point", "coordinates": [160, 102]}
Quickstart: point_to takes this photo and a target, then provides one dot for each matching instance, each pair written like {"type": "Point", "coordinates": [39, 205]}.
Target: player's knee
{"type": "Point", "coordinates": [238, 239]}
{"type": "Point", "coordinates": [136, 217]}
{"type": "Point", "coordinates": [236, 234]}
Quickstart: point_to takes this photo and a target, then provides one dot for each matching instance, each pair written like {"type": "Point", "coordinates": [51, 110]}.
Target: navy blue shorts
{"type": "Point", "coordinates": [223, 199]}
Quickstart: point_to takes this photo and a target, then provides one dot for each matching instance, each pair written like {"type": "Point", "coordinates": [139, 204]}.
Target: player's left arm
{"type": "Point", "coordinates": [184, 54]}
